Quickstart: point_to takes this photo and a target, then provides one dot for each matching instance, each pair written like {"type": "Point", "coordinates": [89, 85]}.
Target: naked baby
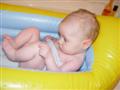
{"type": "Point", "coordinates": [77, 32]}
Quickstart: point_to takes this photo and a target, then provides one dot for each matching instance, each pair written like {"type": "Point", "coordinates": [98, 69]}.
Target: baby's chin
{"type": "Point", "coordinates": [68, 52]}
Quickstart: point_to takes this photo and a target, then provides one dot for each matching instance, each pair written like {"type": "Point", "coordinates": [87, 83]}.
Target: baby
{"type": "Point", "coordinates": [77, 32]}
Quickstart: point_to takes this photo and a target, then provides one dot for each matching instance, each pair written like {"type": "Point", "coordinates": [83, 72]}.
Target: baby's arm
{"type": "Point", "coordinates": [72, 65]}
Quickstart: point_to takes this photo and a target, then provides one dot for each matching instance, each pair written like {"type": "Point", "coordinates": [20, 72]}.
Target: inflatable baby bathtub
{"type": "Point", "coordinates": [105, 71]}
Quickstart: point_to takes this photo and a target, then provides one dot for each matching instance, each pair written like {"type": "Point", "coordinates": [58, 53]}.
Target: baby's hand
{"type": "Point", "coordinates": [48, 37]}
{"type": "Point", "coordinates": [44, 50]}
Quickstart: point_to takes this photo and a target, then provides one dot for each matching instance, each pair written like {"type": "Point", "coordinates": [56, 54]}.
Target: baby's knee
{"type": "Point", "coordinates": [34, 30]}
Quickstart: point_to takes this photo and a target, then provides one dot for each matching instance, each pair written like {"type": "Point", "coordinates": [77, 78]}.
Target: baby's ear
{"type": "Point", "coordinates": [86, 43]}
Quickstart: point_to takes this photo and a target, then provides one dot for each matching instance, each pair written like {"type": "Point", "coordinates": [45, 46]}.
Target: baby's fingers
{"type": "Point", "coordinates": [44, 49]}
{"type": "Point", "coordinates": [43, 52]}
{"type": "Point", "coordinates": [48, 37]}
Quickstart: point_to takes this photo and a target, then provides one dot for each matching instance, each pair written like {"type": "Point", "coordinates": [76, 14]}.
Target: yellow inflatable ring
{"type": "Point", "coordinates": [105, 71]}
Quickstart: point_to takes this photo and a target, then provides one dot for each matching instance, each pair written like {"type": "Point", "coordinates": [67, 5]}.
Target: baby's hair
{"type": "Point", "coordinates": [89, 21]}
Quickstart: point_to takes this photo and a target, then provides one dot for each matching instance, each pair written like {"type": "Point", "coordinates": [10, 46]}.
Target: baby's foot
{"type": "Point", "coordinates": [10, 39]}
{"type": "Point", "coordinates": [5, 36]}
{"type": "Point", "coordinates": [8, 49]}
{"type": "Point", "coordinates": [6, 45]}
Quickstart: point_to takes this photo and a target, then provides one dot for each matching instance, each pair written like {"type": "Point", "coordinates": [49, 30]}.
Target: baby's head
{"type": "Point", "coordinates": [78, 31]}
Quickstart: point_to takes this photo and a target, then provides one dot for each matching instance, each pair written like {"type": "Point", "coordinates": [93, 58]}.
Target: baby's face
{"type": "Point", "coordinates": [71, 37]}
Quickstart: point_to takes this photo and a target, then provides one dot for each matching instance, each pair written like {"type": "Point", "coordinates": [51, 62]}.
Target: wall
{"type": "Point", "coordinates": [95, 6]}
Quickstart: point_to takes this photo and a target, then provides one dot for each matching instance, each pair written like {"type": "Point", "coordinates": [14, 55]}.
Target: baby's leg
{"type": "Point", "coordinates": [23, 54]}
{"type": "Point", "coordinates": [26, 36]}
